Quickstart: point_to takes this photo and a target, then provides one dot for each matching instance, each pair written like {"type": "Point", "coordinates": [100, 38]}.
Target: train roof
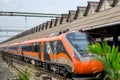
{"type": "Point", "coordinates": [43, 39]}
{"type": "Point", "coordinates": [15, 43]}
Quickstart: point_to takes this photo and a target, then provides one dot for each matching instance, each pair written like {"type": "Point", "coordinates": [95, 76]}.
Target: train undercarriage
{"type": "Point", "coordinates": [56, 68]}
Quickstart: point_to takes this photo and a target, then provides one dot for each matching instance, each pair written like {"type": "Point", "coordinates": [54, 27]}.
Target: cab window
{"type": "Point", "coordinates": [60, 47]}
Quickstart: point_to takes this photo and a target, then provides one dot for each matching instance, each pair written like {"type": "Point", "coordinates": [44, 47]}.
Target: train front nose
{"type": "Point", "coordinates": [88, 67]}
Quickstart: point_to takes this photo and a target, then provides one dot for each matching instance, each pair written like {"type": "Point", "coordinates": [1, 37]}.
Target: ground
{"type": "Point", "coordinates": [5, 72]}
{"type": "Point", "coordinates": [8, 72]}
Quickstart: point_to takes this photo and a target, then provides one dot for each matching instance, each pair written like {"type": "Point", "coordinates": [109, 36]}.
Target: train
{"type": "Point", "coordinates": [63, 54]}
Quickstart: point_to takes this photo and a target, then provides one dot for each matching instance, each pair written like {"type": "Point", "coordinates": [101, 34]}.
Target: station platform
{"type": "Point", "coordinates": [5, 72]}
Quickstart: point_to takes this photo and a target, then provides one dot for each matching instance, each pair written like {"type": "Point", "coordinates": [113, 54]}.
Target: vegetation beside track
{"type": "Point", "coordinates": [110, 58]}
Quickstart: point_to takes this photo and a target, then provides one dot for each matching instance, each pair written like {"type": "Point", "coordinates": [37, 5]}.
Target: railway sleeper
{"type": "Point", "coordinates": [46, 78]}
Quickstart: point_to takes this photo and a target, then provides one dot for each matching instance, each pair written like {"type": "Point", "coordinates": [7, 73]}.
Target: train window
{"type": "Point", "coordinates": [13, 48]}
{"type": "Point", "coordinates": [60, 47]}
{"type": "Point", "coordinates": [23, 48]}
{"type": "Point", "coordinates": [51, 45]}
{"type": "Point", "coordinates": [55, 47]}
{"type": "Point", "coordinates": [80, 42]}
{"type": "Point", "coordinates": [45, 48]}
{"type": "Point", "coordinates": [34, 47]}
{"type": "Point", "coordinates": [31, 48]}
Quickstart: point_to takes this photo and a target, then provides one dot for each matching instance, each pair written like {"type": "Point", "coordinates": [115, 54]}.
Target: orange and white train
{"type": "Point", "coordinates": [65, 53]}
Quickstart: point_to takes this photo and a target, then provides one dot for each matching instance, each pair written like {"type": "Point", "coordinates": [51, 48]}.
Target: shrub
{"type": "Point", "coordinates": [110, 58]}
{"type": "Point", "coordinates": [23, 74]}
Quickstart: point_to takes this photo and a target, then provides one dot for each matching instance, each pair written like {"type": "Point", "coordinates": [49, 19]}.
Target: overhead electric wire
{"type": "Point", "coordinates": [6, 35]}
{"type": "Point", "coordinates": [11, 30]}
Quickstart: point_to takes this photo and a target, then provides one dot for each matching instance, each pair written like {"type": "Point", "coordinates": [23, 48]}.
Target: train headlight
{"type": "Point", "coordinates": [84, 59]}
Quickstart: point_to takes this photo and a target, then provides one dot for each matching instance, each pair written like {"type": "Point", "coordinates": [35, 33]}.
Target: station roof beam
{"type": "Point", "coordinates": [91, 8]}
{"type": "Point", "coordinates": [28, 14]}
{"type": "Point", "coordinates": [80, 12]}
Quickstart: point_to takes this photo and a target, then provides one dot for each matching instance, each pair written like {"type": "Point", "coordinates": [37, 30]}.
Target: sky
{"type": "Point", "coordinates": [34, 6]}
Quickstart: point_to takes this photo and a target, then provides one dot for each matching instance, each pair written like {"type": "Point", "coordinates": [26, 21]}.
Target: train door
{"type": "Point", "coordinates": [36, 49]}
{"type": "Point", "coordinates": [47, 51]}
{"type": "Point", "coordinates": [42, 51]}
{"type": "Point", "coordinates": [39, 51]}
{"type": "Point", "coordinates": [55, 51]}
{"type": "Point", "coordinates": [19, 50]}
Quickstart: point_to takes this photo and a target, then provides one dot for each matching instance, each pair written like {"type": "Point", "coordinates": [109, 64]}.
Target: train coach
{"type": "Point", "coordinates": [64, 54]}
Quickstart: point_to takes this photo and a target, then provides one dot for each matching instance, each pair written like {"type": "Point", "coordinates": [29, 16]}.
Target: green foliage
{"type": "Point", "coordinates": [23, 74]}
{"type": "Point", "coordinates": [110, 58]}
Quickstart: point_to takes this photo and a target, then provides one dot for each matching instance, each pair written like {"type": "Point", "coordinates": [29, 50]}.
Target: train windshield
{"type": "Point", "coordinates": [80, 42]}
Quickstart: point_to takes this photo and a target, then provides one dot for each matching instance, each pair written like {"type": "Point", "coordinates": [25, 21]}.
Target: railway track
{"type": "Point", "coordinates": [37, 73]}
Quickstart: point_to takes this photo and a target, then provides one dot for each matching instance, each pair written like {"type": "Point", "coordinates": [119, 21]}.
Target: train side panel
{"type": "Point", "coordinates": [55, 52]}
{"type": "Point", "coordinates": [31, 50]}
